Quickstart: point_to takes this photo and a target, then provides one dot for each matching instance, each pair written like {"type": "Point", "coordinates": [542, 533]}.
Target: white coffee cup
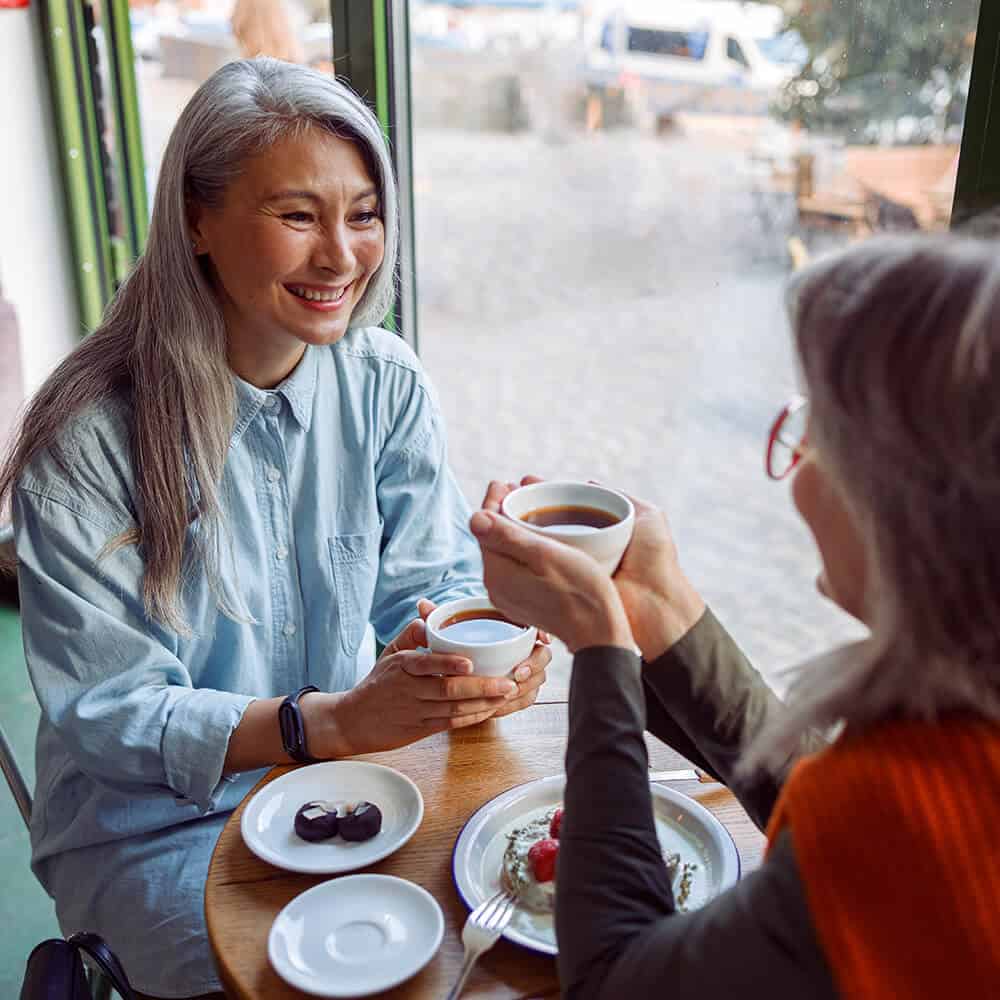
{"type": "Point", "coordinates": [490, 659]}
{"type": "Point", "coordinates": [606, 545]}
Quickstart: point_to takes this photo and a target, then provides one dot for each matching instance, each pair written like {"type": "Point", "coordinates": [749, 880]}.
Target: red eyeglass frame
{"type": "Point", "coordinates": [795, 405]}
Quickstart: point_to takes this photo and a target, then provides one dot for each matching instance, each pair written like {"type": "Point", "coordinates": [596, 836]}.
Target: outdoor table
{"type": "Point", "coordinates": [456, 773]}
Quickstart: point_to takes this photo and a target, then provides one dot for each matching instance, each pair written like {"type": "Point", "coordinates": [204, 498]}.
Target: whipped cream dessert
{"type": "Point", "coordinates": [518, 871]}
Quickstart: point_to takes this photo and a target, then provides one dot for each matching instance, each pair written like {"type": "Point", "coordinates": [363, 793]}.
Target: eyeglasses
{"type": "Point", "coordinates": [786, 442]}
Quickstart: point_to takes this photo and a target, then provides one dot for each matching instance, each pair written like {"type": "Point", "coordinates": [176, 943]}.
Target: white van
{"type": "Point", "coordinates": [717, 55]}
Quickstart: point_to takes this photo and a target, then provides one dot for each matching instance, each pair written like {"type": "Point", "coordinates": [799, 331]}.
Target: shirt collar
{"type": "Point", "coordinates": [299, 389]}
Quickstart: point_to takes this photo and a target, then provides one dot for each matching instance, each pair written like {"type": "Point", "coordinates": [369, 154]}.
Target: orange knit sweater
{"type": "Point", "coordinates": [897, 839]}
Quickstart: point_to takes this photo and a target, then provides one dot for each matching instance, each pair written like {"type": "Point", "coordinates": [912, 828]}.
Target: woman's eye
{"type": "Point", "coordinates": [366, 217]}
{"type": "Point", "coordinates": [298, 216]}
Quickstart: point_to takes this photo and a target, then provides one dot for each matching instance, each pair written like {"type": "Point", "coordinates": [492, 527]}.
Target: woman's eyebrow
{"type": "Point", "coordinates": [290, 194]}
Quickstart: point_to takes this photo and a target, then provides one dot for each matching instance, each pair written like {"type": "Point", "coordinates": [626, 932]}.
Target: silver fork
{"type": "Point", "coordinates": [482, 928]}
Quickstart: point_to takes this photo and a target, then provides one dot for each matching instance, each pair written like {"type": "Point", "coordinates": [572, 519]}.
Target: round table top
{"type": "Point", "coordinates": [456, 774]}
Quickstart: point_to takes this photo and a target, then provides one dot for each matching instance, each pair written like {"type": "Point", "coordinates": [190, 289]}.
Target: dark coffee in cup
{"type": "Point", "coordinates": [570, 516]}
{"type": "Point", "coordinates": [479, 626]}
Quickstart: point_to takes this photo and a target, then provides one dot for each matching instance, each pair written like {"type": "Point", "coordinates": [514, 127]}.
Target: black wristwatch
{"type": "Point", "coordinates": [293, 732]}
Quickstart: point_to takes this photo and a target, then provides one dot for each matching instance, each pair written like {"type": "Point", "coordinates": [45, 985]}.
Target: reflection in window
{"type": "Point", "coordinates": [608, 36]}
{"type": "Point", "coordinates": [735, 52]}
{"type": "Point", "coordinates": [683, 44]}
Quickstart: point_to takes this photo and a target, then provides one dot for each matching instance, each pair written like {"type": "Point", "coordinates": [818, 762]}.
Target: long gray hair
{"type": "Point", "coordinates": [899, 345]}
{"type": "Point", "coordinates": [162, 340]}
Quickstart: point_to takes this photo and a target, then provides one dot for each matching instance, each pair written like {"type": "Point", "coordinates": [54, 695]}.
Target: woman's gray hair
{"type": "Point", "coordinates": [162, 340]}
{"type": "Point", "coordinates": [899, 345]}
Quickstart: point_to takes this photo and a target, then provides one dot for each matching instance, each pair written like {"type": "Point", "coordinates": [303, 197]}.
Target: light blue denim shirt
{"type": "Point", "coordinates": [341, 510]}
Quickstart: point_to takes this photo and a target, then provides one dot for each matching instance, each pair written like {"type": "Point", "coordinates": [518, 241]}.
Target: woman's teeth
{"type": "Point", "coordinates": [312, 295]}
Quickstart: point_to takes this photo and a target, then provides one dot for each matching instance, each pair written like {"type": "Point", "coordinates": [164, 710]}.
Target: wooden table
{"type": "Point", "coordinates": [456, 773]}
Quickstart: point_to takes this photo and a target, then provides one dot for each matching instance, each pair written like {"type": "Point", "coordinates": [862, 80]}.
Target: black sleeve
{"type": "Point", "coordinates": [706, 700]}
{"type": "Point", "coordinates": [618, 933]}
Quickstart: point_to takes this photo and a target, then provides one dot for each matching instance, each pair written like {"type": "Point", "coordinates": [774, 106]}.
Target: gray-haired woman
{"type": "Point", "coordinates": [213, 496]}
{"type": "Point", "coordinates": [883, 873]}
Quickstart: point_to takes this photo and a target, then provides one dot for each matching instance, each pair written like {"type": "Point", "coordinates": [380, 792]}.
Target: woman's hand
{"type": "Point", "coordinates": [497, 490]}
{"type": "Point", "coordinates": [529, 675]}
{"type": "Point", "coordinates": [659, 600]}
{"type": "Point", "coordinates": [560, 589]}
{"type": "Point", "coordinates": [408, 695]}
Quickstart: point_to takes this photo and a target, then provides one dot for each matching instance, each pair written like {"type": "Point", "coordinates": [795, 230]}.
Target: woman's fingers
{"type": "Point", "coordinates": [497, 490]}
{"type": "Point", "coordinates": [525, 699]}
{"type": "Point", "coordinates": [419, 664]}
{"type": "Point", "coordinates": [465, 688]}
{"type": "Point", "coordinates": [461, 721]}
{"type": "Point", "coordinates": [412, 637]}
{"type": "Point", "coordinates": [425, 607]}
{"type": "Point", "coordinates": [437, 710]}
{"type": "Point", "coordinates": [495, 493]}
{"type": "Point", "coordinates": [503, 537]}
{"type": "Point", "coordinates": [541, 657]}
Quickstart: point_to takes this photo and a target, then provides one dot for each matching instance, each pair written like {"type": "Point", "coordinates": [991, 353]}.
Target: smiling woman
{"type": "Point", "coordinates": [213, 496]}
{"type": "Point", "coordinates": [292, 248]}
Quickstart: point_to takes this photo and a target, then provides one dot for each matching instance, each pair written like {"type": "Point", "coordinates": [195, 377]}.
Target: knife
{"type": "Point", "coordinates": [682, 774]}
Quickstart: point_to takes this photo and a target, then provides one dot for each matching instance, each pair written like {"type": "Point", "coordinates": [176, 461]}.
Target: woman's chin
{"type": "Point", "coordinates": [321, 335]}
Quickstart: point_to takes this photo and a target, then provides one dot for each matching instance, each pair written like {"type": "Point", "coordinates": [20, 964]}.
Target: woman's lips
{"type": "Point", "coordinates": [319, 298]}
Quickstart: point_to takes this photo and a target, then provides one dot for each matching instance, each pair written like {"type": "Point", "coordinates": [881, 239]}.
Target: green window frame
{"type": "Point", "coordinates": [97, 184]}
{"type": "Point", "coordinates": [371, 51]}
{"type": "Point", "coordinates": [977, 189]}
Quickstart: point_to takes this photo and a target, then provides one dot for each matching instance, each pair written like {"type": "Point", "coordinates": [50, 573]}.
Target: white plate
{"type": "Point", "coordinates": [683, 826]}
{"type": "Point", "coordinates": [268, 822]}
{"type": "Point", "coordinates": [355, 935]}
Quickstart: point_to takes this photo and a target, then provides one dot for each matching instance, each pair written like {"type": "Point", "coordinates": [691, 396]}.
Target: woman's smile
{"type": "Point", "coordinates": [322, 298]}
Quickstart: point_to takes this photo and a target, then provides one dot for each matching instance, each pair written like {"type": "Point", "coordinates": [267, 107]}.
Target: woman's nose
{"type": "Point", "coordinates": [335, 253]}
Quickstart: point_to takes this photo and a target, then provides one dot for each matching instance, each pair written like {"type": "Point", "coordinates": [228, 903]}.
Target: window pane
{"type": "Point", "coordinates": [179, 45]}
{"type": "Point", "coordinates": [604, 233]}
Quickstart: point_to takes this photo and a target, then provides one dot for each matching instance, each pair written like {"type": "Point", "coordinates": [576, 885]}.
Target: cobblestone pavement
{"type": "Point", "coordinates": [610, 306]}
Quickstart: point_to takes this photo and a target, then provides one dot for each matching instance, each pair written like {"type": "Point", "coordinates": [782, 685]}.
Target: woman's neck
{"type": "Point", "coordinates": [265, 370]}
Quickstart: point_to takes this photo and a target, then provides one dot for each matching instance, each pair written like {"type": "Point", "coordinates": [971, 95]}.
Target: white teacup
{"type": "Point", "coordinates": [491, 656]}
{"type": "Point", "coordinates": [605, 544]}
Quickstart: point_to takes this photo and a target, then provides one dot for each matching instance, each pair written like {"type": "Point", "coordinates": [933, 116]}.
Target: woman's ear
{"type": "Point", "coordinates": [194, 220]}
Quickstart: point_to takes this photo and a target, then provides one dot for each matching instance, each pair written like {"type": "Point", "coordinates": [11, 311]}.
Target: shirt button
{"type": "Point", "coordinates": [271, 402]}
{"type": "Point", "coordinates": [289, 629]}
{"type": "Point", "coordinates": [273, 475]}
{"type": "Point", "coordinates": [280, 552]}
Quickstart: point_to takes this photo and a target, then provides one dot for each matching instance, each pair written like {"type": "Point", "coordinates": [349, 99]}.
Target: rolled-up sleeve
{"type": "Point", "coordinates": [427, 550]}
{"type": "Point", "coordinates": [107, 678]}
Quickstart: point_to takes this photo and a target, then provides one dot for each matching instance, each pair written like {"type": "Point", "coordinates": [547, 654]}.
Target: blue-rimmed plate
{"type": "Point", "coordinates": [683, 826]}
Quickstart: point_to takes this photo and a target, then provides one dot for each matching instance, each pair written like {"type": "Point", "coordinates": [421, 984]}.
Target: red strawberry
{"type": "Point", "coordinates": [556, 825]}
{"type": "Point", "coordinates": [542, 856]}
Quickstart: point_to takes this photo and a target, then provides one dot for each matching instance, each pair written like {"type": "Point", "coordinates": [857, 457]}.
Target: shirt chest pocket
{"type": "Point", "coordinates": [355, 560]}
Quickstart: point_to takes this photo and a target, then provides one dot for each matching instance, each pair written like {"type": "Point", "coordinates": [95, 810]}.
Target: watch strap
{"type": "Point", "coordinates": [293, 731]}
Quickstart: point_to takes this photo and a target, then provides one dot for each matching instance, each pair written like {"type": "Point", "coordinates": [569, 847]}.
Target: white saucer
{"type": "Point", "coordinates": [356, 935]}
{"type": "Point", "coordinates": [268, 822]}
{"type": "Point", "coordinates": [682, 825]}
